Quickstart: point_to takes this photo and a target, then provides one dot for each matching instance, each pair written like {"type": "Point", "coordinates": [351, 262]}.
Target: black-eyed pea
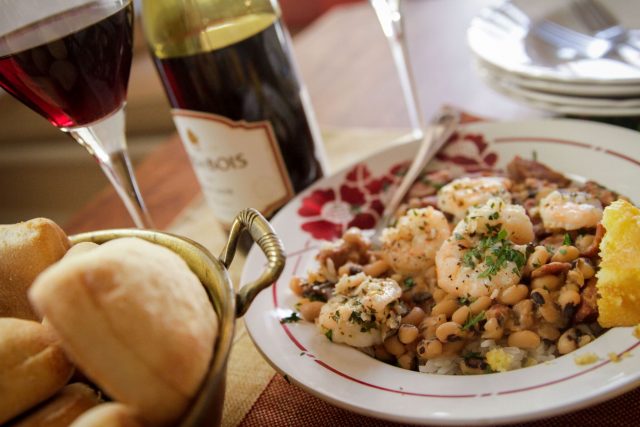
{"type": "Point", "coordinates": [407, 361]}
{"type": "Point", "coordinates": [461, 315]}
{"type": "Point", "coordinates": [527, 340]}
{"type": "Point", "coordinates": [550, 312]}
{"type": "Point", "coordinates": [446, 307]}
{"type": "Point", "coordinates": [524, 312]}
{"type": "Point", "coordinates": [584, 340]}
{"type": "Point", "coordinates": [393, 345]}
{"type": "Point", "coordinates": [414, 317]}
{"type": "Point", "coordinates": [453, 348]}
{"type": "Point", "coordinates": [585, 267]}
{"type": "Point", "coordinates": [407, 333]}
{"type": "Point", "coordinates": [429, 349]}
{"type": "Point", "coordinates": [310, 310]}
{"type": "Point", "coordinates": [480, 304]}
{"type": "Point", "coordinates": [583, 242]}
{"type": "Point", "coordinates": [548, 332]}
{"type": "Point", "coordinates": [550, 282]}
{"type": "Point", "coordinates": [492, 329]}
{"type": "Point", "coordinates": [513, 294]}
{"type": "Point", "coordinates": [565, 253]}
{"type": "Point", "coordinates": [568, 341]}
{"type": "Point", "coordinates": [439, 295]}
{"type": "Point", "coordinates": [381, 353]}
{"type": "Point", "coordinates": [449, 332]}
{"type": "Point", "coordinates": [539, 257]}
{"type": "Point", "coordinates": [295, 284]}
{"type": "Point", "coordinates": [430, 332]}
{"type": "Point", "coordinates": [432, 321]}
{"type": "Point", "coordinates": [568, 297]}
{"type": "Point", "coordinates": [376, 268]}
{"type": "Point", "coordinates": [575, 276]}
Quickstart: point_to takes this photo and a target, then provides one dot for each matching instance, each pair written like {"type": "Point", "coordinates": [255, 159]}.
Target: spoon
{"type": "Point", "coordinates": [437, 133]}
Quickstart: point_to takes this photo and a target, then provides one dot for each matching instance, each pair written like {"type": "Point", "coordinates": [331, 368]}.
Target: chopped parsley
{"type": "Point", "coordinates": [329, 334]}
{"type": "Point", "coordinates": [459, 236]}
{"type": "Point", "coordinates": [473, 320]}
{"type": "Point", "coordinates": [496, 251]}
{"type": "Point", "coordinates": [567, 240]}
{"type": "Point", "coordinates": [409, 283]}
{"type": "Point", "coordinates": [494, 216]}
{"type": "Point", "coordinates": [365, 325]}
{"type": "Point", "coordinates": [466, 300]}
{"type": "Point", "coordinates": [291, 319]}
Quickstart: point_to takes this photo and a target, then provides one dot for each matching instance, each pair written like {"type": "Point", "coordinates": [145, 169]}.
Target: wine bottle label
{"type": "Point", "coordinates": [239, 164]}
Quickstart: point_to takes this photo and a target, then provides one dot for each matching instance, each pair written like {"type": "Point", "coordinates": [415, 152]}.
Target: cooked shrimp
{"type": "Point", "coordinates": [410, 247]}
{"type": "Point", "coordinates": [460, 194]}
{"type": "Point", "coordinates": [487, 250]}
{"type": "Point", "coordinates": [570, 210]}
{"type": "Point", "coordinates": [361, 311]}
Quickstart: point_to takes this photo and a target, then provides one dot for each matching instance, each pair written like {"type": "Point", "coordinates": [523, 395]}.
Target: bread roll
{"type": "Point", "coordinates": [32, 366]}
{"type": "Point", "coordinates": [61, 410]}
{"type": "Point", "coordinates": [107, 415]}
{"type": "Point", "coordinates": [80, 248]}
{"type": "Point", "coordinates": [26, 249]}
{"type": "Point", "coordinates": [135, 320]}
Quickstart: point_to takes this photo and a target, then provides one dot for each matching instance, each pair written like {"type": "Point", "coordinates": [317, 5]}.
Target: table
{"type": "Point", "coordinates": [346, 64]}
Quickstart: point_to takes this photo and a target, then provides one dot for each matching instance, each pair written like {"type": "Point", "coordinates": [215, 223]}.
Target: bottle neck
{"type": "Point", "coordinates": [186, 27]}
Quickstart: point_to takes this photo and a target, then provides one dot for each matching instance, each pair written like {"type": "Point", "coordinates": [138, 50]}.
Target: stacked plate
{"type": "Point", "coordinates": [512, 59]}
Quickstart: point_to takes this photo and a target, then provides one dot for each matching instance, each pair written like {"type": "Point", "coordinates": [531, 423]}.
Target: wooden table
{"type": "Point", "coordinates": [346, 64]}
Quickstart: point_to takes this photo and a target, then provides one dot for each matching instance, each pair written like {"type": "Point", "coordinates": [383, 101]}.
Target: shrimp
{"type": "Point", "coordinates": [410, 247]}
{"type": "Point", "coordinates": [487, 250]}
{"type": "Point", "coordinates": [362, 311]}
{"type": "Point", "coordinates": [570, 210]}
{"type": "Point", "coordinates": [460, 194]}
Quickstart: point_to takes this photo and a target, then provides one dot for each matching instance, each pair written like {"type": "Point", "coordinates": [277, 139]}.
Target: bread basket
{"type": "Point", "coordinates": [212, 272]}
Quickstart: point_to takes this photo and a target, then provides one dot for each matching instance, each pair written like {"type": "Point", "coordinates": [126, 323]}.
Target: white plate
{"type": "Point", "coordinates": [564, 104]}
{"type": "Point", "coordinates": [509, 46]}
{"type": "Point", "coordinates": [563, 88]}
{"type": "Point", "coordinates": [347, 378]}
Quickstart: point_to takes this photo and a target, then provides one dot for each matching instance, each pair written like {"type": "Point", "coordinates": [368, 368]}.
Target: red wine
{"type": "Point", "coordinates": [78, 74]}
{"type": "Point", "coordinates": [249, 81]}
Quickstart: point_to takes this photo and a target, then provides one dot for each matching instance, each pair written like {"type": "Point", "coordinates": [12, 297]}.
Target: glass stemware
{"type": "Point", "coordinates": [389, 13]}
{"type": "Point", "coordinates": [69, 61]}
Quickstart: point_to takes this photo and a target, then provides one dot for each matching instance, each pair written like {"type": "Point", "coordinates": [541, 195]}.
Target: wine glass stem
{"type": "Point", "coordinates": [390, 18]}
{"type": "Point", "coordinates": [105, 140]}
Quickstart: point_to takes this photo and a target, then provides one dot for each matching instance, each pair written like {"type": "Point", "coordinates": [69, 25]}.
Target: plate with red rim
{"type": "Point", "coordinates": [355, 196]}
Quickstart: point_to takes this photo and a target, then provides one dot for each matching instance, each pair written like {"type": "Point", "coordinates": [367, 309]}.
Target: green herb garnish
{"type": "Point", "coordinates": [473, 320]}
{"type": "Point", "coordinates": [567, 240]}
{"type": "Point", "coordinates": [409, 283]}
{"type": "Point", "coordinates": [329, 335]}
{"type": "Point", "coordinates": [291, 319]}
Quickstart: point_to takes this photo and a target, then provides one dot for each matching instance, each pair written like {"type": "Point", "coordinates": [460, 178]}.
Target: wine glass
{"type": "Point", "coordinates": [69, 61]}
{"type": "Point", "coordinates": [389, 15]}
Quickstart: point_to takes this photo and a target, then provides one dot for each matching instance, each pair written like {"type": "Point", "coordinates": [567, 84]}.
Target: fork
{"type": "Point", "coordinates": [599, 20]}
{"type": "Point", "coordinates": [561, 36]}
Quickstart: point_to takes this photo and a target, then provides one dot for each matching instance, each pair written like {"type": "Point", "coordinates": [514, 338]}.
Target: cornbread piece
{"type": "Point", "coordinates": [32, 366]}
{"type": "Point", "coordinates": [61, 410]}
{"type": "Point", "coordinates": [26, 249]}
{"type": "Point", "coordinates": [135, 320]}
{"type": "Point", "coordinates": [111, 414]}
{"type": "Point", "coordinates": [619, 275]}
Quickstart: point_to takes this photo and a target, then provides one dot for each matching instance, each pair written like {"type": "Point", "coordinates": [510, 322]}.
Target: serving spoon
{"type": "Point", "coordinates": [437, 133]}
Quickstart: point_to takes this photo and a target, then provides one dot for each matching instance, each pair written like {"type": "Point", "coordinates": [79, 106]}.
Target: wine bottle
{"type": "Point", "coordinates": [237, 100]}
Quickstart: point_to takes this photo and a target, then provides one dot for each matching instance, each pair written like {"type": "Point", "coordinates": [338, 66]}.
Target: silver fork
{"type": "Point", "coordinates": [599, 20]}
{"type": "Point", "coordinates": [564, 37]}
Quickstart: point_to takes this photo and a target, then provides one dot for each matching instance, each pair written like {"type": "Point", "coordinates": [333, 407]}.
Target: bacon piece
{"type": "Point", "coordinates": [520, 169]}
{"type": "Point", "coordinates": [551, 268]}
